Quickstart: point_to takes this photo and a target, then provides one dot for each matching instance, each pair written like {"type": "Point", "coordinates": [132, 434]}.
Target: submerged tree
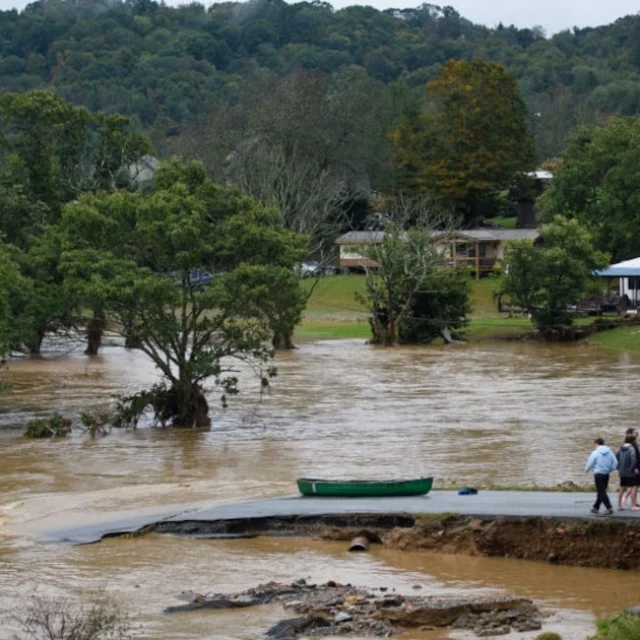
{"type": "Point", "coordinates": [403, 267]}
{"type": "Point", "coordinates": [63, 619]}
{"type": "Point", "coordinates": [15, 294]}
{"type": "Point", "coordinates": [441, 304]}
{"type": "Point", "coordinates": [51, 151]}
{"type": "Point", "coordinates": [182, 271]}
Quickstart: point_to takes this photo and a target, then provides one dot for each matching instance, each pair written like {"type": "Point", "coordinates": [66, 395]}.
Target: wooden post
{"type": "Point", "coordinates": [477, 260]}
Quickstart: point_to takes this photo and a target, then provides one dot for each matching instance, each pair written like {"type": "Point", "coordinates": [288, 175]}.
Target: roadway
{"type": "Point", "coordinates": [485, 503]}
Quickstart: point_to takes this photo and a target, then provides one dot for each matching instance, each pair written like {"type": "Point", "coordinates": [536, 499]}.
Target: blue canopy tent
{"type": "Point", "coordinates": [628, 272]}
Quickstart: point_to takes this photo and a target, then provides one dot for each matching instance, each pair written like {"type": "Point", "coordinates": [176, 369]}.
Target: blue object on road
{"type": "Point", "coordinates": [467, 491]}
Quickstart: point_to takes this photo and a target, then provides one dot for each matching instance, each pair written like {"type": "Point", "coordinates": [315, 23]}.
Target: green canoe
{"type": "Point", "coordinates": [364, 488]}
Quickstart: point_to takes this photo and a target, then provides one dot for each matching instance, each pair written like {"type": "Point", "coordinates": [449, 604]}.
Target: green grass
{"type": "Point", "coordinates": [507, 223]}
{"type": "Point", "coordinates": [482, 303]}
{"type": "Point", "coordinates": [500, 327]}
{"type": "Point", "coordinates": [335, 295]}
{"type": "Point", "coordinates": [621, 339]}
{"type": "Point", "coordinates": [336, 330]}
{"type": "Point", "coordinates": [333, 312]}
{"type": "Point", "coordinates": [622, 627]}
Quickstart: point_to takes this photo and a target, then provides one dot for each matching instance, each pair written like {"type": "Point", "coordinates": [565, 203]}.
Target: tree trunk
{"type": "Point", "coordinates": [191, 408]}
{"type": "Point", "coordinates": [383, 330]}
{"type": "Point", "coordinates": [282, 341]}
{"type": "Point", "coordinates": [95, 331]}
{"type": "Point", "coordinates": [131, 341]}
{"type": "Point", "coordinates": [35, 345]}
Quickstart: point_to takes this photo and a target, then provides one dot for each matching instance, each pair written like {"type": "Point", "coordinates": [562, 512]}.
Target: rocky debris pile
{"type": "Point", "coordinates": [333, 609]}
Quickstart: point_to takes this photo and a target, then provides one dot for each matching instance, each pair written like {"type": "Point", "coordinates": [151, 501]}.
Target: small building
{"type": "Point", "coordinates": [480, 249]}
{"type": "Point", "coordinates": [628, 274]}
{"type": "Point", "coordinates": [526, 198]}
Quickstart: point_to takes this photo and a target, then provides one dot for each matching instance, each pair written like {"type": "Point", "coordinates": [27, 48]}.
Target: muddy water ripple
{"type": "Point", "coordinates": [510, 414]}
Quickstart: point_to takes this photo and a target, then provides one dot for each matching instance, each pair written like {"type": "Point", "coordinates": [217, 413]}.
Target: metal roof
{"type": "Point", "coordinates": [486, 235]}
{"type": "Point", "coordinates": [624, 269]}
{"type": "Point", "coordinates": [360, 237]}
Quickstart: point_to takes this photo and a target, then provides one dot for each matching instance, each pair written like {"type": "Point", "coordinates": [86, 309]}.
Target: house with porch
{"type": "Point", "coordinates": [481, 248]}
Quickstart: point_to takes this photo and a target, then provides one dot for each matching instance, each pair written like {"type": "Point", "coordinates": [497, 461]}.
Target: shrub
{"type": "Point", "coordinates": [55, 426]}
{"type": "Point", "coordinates": [622, 627]}
{"type": "Point", "coordinates": [548, 635]}
{"type": "Point", "coordinates": [63, 619]}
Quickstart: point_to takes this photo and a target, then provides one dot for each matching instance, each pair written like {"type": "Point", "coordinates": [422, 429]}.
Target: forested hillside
{"type": "Point", "coordinates": [188, 76]}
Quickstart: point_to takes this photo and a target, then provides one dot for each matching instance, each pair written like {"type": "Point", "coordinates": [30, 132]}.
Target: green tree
{"type": "Point", "coordinates": [53, 151]}
{"type": "Point", "coordinates": [548, 278]}
{"type": "Point", "coordinates": [598, 183]}
{"type": "Point", "coordinates": [140, 254]}
{"type": "Point", "coordinates": [14, 297]}
{"type": "Point", "coordinates": [471, 137]}
{"type": "Point", "coordinates": [442, 303]}
{"type": "Point", "coordinates": [404, 270]}
{"type": "Point", "coordinates": [43, 138]}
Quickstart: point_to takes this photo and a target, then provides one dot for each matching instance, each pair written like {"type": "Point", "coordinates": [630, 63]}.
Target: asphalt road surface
{"type": "Point", "coordinates": [485, 503]}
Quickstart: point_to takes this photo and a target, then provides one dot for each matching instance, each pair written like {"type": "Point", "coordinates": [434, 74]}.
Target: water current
{"type": "Point", "coordinates": [505, 414]}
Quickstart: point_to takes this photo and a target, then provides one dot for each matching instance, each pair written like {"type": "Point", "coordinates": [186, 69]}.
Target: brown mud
{"type": "Point", "coordinates": [333, 609]}
{"type": "Point", "coordinates": [601, 543]}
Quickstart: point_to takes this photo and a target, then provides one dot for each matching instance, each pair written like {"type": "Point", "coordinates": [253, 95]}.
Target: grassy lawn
{"type": "Point", "coordinates": [333, 312]}
{"type": "Point", "coordinates": [500, 327]}
{"type": "Point", "coordinates": [507, 223]}
{"type": "Point", "coordinates": [483, 305]}
{"type": "Point", "coordinates": [622, 339]}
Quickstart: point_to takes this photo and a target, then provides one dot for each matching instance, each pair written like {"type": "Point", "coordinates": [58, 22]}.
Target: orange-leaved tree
{"type": "Point", "coordinates": [469, 138]}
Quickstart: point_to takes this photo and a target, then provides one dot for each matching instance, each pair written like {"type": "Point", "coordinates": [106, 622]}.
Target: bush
{"type": "Point", "coordinates": [622, 627]}
{"type": "Point", "coordinates": [548, 635]}
{"type": "Point", "coordinates": [444, 303]}
{"type": "Point", "coordinates": [63, 619]}
{"type": "Point", "coordinates": [55, 426]}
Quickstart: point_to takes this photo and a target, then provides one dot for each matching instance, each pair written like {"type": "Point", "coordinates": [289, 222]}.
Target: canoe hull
{"type": "Point", "coordinates": [364, 488]}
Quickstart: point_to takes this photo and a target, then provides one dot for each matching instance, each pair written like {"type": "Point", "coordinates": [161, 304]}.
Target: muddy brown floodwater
{"type": "Point", "coordinates": [507, 414]}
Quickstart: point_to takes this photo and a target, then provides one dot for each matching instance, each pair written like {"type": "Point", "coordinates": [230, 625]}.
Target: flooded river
{"type": "Point", "coordinates": [504, 414]}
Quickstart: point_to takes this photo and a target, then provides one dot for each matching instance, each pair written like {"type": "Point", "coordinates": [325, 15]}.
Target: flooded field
{"type": "Point", "coordinates": [507, 414]}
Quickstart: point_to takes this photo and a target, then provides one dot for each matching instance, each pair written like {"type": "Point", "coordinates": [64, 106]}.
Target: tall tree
{"type": "Point", "coordinates": [307, 144]}
{"type": "Point", "coordinates": [469, 139]}
{"type": "Point", "coordinates": [14, 298]}
{"type": "Point", "coordinates": [597, 182]}
{"type": "Point", "coordinates": [52, 151]}
{"type": "Point", "coordinates": [43, 140]}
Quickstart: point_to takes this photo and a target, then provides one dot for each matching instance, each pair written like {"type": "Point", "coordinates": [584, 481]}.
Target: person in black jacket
{"type": "Point", "coordinates": [627, 467]}
{"type": "Point", "coordinates": [634, 491]}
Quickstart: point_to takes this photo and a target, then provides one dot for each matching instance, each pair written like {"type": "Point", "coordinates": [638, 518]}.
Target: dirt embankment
{"type": "Point", "coordinates": [599, 543]}
{"type": "Point", "coordinates": [606, 542]}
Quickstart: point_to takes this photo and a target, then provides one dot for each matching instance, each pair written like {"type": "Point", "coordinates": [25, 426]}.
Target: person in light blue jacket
{"type": "Point", "coordinates": [602, 462]}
